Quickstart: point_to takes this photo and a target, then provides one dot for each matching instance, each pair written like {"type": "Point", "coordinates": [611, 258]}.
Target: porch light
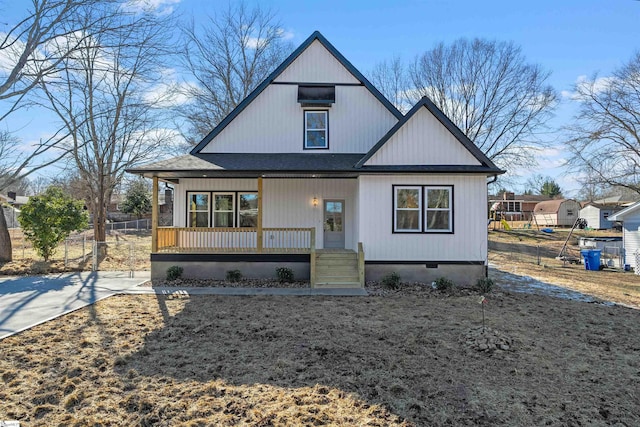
{"type": "Point", "coordinates": [315, 202]}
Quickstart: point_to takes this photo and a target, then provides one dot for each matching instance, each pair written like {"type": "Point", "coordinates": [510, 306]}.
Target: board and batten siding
{"type": "Point", "coordinates": [274, 123]}
{"type": "Point", "coordinates": [467, 243]}
{"type": "Point", "coordinates": [286, 203]}
{"type": "Point", "coordinates": [423, 140]}
{"type": "Point", "coordinates": [316, 65]}
{"type": "Point", "coordinates": [631, 239]}
{"type": "Point", "coordinates": [204, 184]}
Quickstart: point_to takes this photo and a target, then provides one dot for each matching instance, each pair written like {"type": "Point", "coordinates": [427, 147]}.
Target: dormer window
{"type": "Point", "coordinates": [316, 129]}
{"type": "Point", "coordinates": [316, 95]}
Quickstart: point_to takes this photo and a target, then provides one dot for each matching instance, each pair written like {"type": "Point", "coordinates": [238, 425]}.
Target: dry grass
{"type": "Point", "coordinates": [124, 252]}
{"type": "Point", "coordinates": [395, 360]}
{"type": "Point", "coordinates": [515, 252]}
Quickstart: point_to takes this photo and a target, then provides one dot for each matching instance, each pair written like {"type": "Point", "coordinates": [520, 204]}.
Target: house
{"type": "Point", "coordinates": [11, 204]}
{"type": "Point", "coordinates": [515, 207]}
{"type": "Point", "coordinates": [558, 212]}
{"type": "Point", "coordinates": [317, 171]}
{"type": "Point", "coordinates": [630, 218]}
{"type": "Point", "coordinates": [597, 215]}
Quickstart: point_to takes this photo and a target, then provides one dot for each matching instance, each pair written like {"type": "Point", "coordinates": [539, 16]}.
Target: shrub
{"type": "Point", "coordinates": [391, 280]}
{"type": "Point", "coordinates": [49, 218]}
{"type": "Point", "coordinates": [234, 276]}
{"type": "Point", "coordinates": [444, 284]}
{"type": "Point", "coordinates": [174, 272]}
{"type": "Point", "coordinates": [484, 285]}
{"type": "Point", "coordinates": [285, 274]}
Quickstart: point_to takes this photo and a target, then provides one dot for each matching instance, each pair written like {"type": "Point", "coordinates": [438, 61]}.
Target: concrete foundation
{"type": "Point", "coordinates": [461, 274]}
{"type": "Point", "coordinates": [218, 269]}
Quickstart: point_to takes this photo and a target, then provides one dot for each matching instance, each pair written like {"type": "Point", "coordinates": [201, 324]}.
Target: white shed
{"type": "Point", "coordinates": [630, 218]}
{"type": "Point", "coordinates": [558, 212]}
{"type": "Point", "coordinates": [597, 215]}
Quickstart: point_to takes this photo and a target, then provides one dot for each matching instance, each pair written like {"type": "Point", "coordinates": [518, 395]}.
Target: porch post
{"type": "Point", "coordinates": [154, 216]}
{"type": "Point", "coordinates": [259, 237]}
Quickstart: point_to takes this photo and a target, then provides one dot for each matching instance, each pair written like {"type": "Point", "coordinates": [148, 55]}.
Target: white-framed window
{"type": "Point", "coordinates": [223, 209]}
{"type": "Point", "coordinates": [423, 209]}
{"type": "Point", "coordinates": [407, 212]}
{"type": "Point", "coordinates": [198, 209]}
{"type": "Point", "coordinates": [316, 129]}
{"type": "Point", "coordinates": [437, 209]}
{"type": "Point", "coordinates": [247, 209]}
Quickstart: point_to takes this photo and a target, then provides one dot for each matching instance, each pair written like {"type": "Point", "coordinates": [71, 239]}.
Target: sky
{"type": "Point", "coordinates": [566, 37]}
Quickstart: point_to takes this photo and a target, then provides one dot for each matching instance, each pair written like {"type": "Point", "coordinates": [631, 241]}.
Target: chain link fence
{"type": "Point", "coordinates": [126, 249]}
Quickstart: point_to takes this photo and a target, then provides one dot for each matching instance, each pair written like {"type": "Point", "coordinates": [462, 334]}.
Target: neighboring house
{"type": "Point", "coordinates": [558, 212]}
{"type": "Point", "coordinates": [597, 215]}
{"type": "Point", "coordinates": [515, 207]}
{"type": "Point", "coordinates": [11, 204]}
{"type": "Point", "coordinates": [317, 171]}
{"type": "Point", "coordinates": [630, 218]}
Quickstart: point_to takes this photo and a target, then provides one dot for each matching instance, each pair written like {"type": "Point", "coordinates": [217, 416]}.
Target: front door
{"type": "Point", "coordinates": [334, 224]}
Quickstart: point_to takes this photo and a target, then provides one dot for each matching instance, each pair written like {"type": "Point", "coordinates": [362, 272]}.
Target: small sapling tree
{"type": "Point", "coordinates": [49, 218]}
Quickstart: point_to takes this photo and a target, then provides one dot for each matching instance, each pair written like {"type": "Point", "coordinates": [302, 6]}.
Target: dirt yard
{"type": "Point", "coordinates": [517, 252]}
{"type": "Point", "coordinates": [400, 359]}
{"type": "Point", "coordinates": [124, 251]}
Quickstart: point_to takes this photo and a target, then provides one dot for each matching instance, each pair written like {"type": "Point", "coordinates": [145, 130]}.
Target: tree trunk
{"type": "Point", "coordinates": [6, 253]}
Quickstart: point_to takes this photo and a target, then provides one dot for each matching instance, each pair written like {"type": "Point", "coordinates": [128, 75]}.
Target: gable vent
{"type": "Point", "coordinates": [316, 95]}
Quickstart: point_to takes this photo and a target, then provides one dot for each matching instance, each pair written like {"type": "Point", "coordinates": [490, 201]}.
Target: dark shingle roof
{"type": "Point", "coordinates": [256, 164]}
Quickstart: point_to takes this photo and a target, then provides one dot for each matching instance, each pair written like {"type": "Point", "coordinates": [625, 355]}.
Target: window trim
{"type": "Point", "coordinates": [426, 209]}
{"type": "Point", "coordinates": [423, 209]}
{"type": "Point", "coordinates": [189, 211]}
{"type": "Point", "coordinates": [210, 216]}
{"type": "Point", "coordinates": [214, 210]}
{"type": "Point", "coordinates": [326, 129]}
{"type": "Point", "coordinates": [238, 195]}
{"type": "Point", "coordinates": [396, 208]}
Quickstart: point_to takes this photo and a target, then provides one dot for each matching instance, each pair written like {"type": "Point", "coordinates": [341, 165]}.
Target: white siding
{"type": "Point", "coordinates": [197, 184]}
{"type": "Point", "coordinates": [286, 203]}
{"type": "Point", "coordinates": [316, 65]}
{"type": "Point", "coordinates": [274, 123]}
{"type": "Point", "coordinates": [423, 140]}
{"type": "Point", "coordinates": [468, 243]}
{"type": "Point", "coordinates": [631, 240]}
{"type": "Point", "coordinates": [592, 215]}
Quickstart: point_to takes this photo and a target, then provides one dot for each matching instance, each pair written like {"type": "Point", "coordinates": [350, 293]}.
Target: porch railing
{"type": "Point", "coordinates": [201, 239]}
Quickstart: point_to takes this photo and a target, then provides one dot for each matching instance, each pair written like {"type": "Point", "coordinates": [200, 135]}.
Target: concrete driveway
{"type": "Point", "coordinates": [29, 301]}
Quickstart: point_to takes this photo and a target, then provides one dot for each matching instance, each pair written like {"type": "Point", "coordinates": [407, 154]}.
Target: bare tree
{"type": "Point", "coordinates": [605, 140]}
{"type": "Point", "coordinates": [99, 97]}
{"type": "Point", "coordinates": [390, 78]}
{"type": "Point", "coordinates": [30, 51]}
{"type": "Point", "coordinates": [228, 58]}
{"type": "Point", "coordinates": [490, 92]}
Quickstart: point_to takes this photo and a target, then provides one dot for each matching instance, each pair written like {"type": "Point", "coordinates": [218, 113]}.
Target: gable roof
{"type": "Point", "coordinates": [619, 216]}
{"type": "Point", "coordinates": [266, 82]}
{"type": "Point", "coordinates": [442, 118]}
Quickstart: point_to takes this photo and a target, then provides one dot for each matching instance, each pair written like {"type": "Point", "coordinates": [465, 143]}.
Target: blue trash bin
{"type": "Point", "coordinates": [591, 259]}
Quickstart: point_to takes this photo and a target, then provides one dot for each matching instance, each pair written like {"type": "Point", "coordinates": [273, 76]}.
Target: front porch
{"type": "Point", "coordinates": [208, 252]}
